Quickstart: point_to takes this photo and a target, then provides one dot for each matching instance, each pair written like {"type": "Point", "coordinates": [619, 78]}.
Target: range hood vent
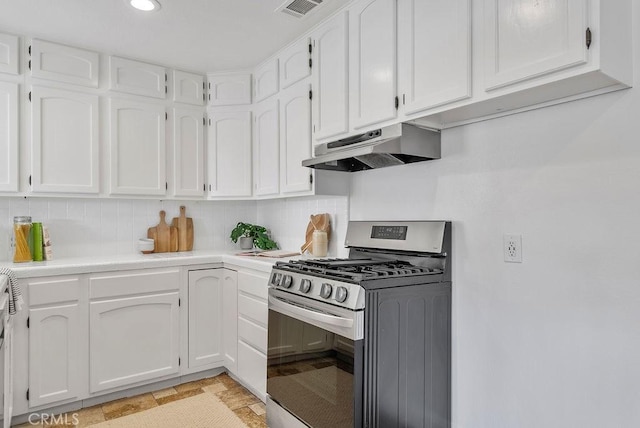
{"type": "Point", "coordinates": [393, 145]}
{"type": "Point", "coordinates": [298, 8]}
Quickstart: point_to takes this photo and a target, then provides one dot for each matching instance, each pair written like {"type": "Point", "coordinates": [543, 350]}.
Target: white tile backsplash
{"type": "Point", "coordinates": [82, 227]}
{"type": "Point", "coordinates": [287, 219]}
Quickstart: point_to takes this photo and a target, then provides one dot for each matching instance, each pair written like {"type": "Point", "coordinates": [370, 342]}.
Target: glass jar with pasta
{"type": "Point", "coordinates": [22, 238]}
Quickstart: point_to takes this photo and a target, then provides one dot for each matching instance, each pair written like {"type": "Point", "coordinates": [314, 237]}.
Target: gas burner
{"type": "Point", "coordinates": [356, 270]}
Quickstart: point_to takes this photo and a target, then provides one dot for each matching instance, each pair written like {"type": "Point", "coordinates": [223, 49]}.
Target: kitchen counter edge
{"type": "Point", "coordinates": [74, 266]}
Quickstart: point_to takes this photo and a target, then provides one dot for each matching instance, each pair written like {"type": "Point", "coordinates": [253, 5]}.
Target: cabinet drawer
{"type": "Point", "coordinates": [256, 284]}
{"type": "Point", "coordinates": [48, 291]}
{"type": "Point", "coordinates": [253, 309]}
{"type": "Point", "coordinates": [252, 369]}
{"type": "Point", "coordinates": [252, 333]}
{"type": "Point", "coordinates": [133, 282]}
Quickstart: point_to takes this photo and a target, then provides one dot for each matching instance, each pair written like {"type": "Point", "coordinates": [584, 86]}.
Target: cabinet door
{"type": "Point", "coordinates": [295, 63]}
{"type": "Point", "coordinates": [188, 88]}
{"type": "Point", "coordinates": [57, 340]}
{"type": "Point", "coordinates": [434, 53]}
{"type": "Point", "coordinates": [331, 78]}
{"type": "Point", "coordinates": [205, 317]}
{"type": "Point", "coordinates": [54, 342]}
{"type": "Point", "coordinates": [525, 40]}
{"type": "Point", "coordinates": [265, 80]}
{"type": "Point", "coordinates": [64, 63]}
{"type": "Point", "coordinates": [8, 137]}
{"type": "Point", "coordinates": [229, 326]}
{"type": "Point", "coordinates": [372, 65]}
{"type": "Point", "coordinates": [229, 89]}
{"type": "Point", "coordinates": [188, 152]}
{"type": "Point", "coordinates": [252, 369]}
{"type": "Point", "coordinates": [9, 54]}
{"type": "Point", "coordinates": [230, 153]}
{"type": "Point", "coordinates": [266, 148]}
{"type": "Point", "coordinates": [133, 339]}
{"type": "Point", "coordinates": [295, 138]}
{"type": "Point", "coordinates": [135, 77]}
{"type": "Point", "coordinates": [64, 141]}
{"type": "Point", "coordinates": [137, 148]}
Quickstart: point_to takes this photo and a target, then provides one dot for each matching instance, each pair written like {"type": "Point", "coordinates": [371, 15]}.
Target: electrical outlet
{"type": "Point", "coordinates": [512, 248]}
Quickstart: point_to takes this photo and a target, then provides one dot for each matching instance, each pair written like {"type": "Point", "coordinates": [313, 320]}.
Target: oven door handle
{"type": "Point", "coordinates": [310, 314]}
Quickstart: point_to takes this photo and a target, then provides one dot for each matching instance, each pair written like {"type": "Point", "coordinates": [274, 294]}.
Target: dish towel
{"type": "Point", "coordinates": [15, 294]}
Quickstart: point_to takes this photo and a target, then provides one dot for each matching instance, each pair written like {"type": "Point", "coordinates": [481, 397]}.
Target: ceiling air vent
{"type": "Point", "coordinates": [298, 8]}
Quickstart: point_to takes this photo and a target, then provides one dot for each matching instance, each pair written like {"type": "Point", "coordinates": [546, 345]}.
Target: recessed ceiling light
{"type": "Point", "coordinates": [144, 5]}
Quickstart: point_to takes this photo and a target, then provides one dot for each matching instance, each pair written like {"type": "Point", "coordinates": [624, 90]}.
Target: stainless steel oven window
{"type": "Point", "coordinates": [313, 373]}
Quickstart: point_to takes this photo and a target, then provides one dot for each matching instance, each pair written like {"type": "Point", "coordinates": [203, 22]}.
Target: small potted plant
{"type": "Point", "coordinates": [250, 235]}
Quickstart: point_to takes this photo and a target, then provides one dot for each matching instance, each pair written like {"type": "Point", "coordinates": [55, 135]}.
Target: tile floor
{"type": "Point", "coordinates": [244, 404]}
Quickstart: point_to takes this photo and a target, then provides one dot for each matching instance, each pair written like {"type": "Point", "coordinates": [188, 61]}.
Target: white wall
{"type": "Point", "coordinates": [554, 341]}
{"type": "Point", "coordinates": [288, 219]}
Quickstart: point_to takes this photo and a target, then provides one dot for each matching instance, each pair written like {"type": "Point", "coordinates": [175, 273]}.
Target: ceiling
{"type": "Point", "coordinates": [194, 35]}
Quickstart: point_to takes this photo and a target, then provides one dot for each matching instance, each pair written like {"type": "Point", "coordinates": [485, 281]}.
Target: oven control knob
{"type": "Point", "coordinates": [341, 294]}
{"type": "Point", "coordinates": [275, 279]}
{"type": "Point", "coordinates": [325, 291]}
{"type": "Point", "coordinates": [286, 281]}
{"type": "Point", "coordinates": [305, 285]}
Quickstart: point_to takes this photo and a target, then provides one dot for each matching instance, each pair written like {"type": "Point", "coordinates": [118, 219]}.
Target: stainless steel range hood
{"type": "Point", "coordinates": [393, 145]}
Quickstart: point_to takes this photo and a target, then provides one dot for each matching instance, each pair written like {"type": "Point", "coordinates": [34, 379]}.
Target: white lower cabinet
{"type": "Point", "coordinates": [206, 289]}
{"type": "Point", "coordinates": [229, 327]}
{"type": "Point", "coordinates": [58, 339]}
{"type": "Point", "coordinates": [134, 327]}
{"type": "Point", "coordinates": [252, 331]}
{"type": "Point", "coordinates": [253, 364]}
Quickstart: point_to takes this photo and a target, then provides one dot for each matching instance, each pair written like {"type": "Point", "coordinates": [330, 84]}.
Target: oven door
{"type": "Point", "coordinates": [315, 362]}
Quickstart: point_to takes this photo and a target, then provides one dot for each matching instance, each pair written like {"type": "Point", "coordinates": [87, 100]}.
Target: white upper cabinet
{"type": "Point", "coordinates": [295, 138]}
{"type": "Point", "coordinates": [138, 152]}
{"type": "Point", "coordinates": [64, 132]}
{"type": "Point", "coordinates": [295, 63]}
{"type": "Point", "coordinates": [331, 78]}
{"type": "Point", "coordinates": [188, 152]}
{"type": "Point", "coordinates": [265, 80]}
{"type": "Point", "coordinates": [372, 66]}
{"type": "Point", "coordinates": [229, 153]}
{"type": "Point", "coordinates": [135, 77]}
{"type": "Point", "coordinates": [434, 52]}
{"type": "Point", "coordinates": [266, 148]}
{"type": "Point", "coordinates": [524, 40]}
{"type": "Point", "coordinates": [9, 54]}
{"type": "Point", "coordinates": [227, 89]}
{"type": "Point", "coordinates": [8, 137]}
{"type": "Point", "coordinates": [188, 88]}
{"type": "Point", "coordinates": [64, 63]}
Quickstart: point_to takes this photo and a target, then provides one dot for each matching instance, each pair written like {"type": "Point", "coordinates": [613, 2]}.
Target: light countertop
{"type": "Point", "coordinates": [71, 266]}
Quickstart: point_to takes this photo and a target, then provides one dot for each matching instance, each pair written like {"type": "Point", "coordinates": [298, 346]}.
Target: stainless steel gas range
{"type": "Point", "coordinates": [364, 341]}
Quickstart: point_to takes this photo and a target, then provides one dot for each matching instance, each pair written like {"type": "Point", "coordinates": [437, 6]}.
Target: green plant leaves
{"type": "Point", "coordinates": [259, 234]}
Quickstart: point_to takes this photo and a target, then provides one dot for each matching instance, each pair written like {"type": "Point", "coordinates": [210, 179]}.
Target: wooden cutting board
{"type": "Point", "coordinates": [184, 226]}
{"type": "Point", "coordinates": [162, 235]}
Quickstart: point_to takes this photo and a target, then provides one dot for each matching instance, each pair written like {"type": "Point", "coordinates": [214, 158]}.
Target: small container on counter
{"type": "Point", "coordinates": [319, 243]}
{"type": "Point", "coordinates": [36, 236]}
{"type": "Point", "coordinates": [22, 239]}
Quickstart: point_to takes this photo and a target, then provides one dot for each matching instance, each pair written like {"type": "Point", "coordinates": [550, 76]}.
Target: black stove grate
{"type": "Point", "coordinates": [356, 270]}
